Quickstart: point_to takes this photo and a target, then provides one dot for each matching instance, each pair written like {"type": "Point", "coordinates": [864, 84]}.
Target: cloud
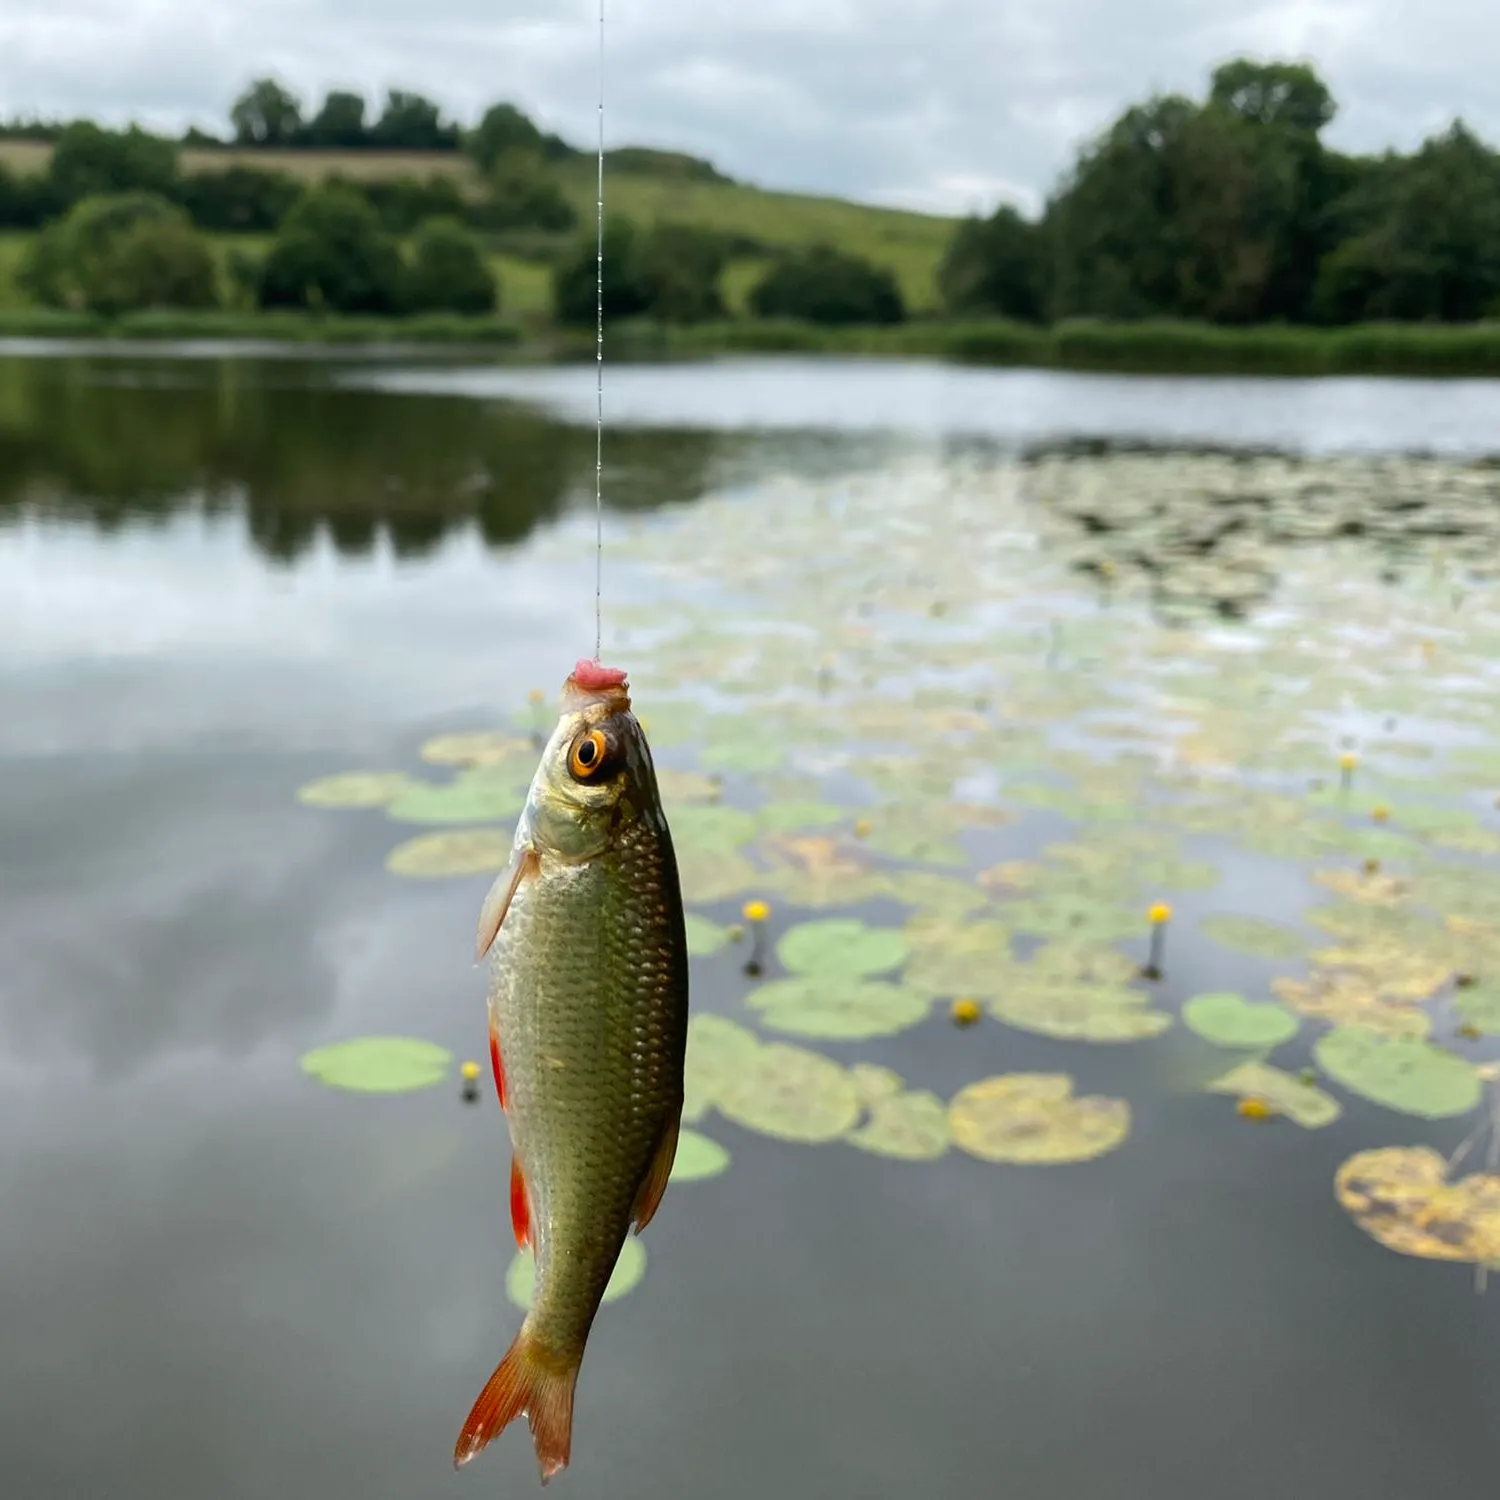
{"type": "Point", "coordinates": [950, 104]}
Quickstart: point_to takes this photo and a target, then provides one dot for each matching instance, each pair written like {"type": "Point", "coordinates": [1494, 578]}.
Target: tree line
{"type": "Point", "coordinates": [1232, 210]}
{"type": "Point", "coordinates": [1229, 210]}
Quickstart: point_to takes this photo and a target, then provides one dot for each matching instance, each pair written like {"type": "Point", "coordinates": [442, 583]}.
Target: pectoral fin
{"type": "Point", "coordinates": [497, 903]}
{"type": "Point", "coordinates": [648, 1198]}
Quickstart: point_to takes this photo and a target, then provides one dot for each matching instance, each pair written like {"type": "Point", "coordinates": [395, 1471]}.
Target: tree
{"type": "Point", "coordinates": [238, 200]}
{"type": "Point", "coordinates": [26, 202]}
{"type": "Point", "coordinates": [121, 253]}
{"type": "Point", "coordinates": [88, 161]}
{"type": "Point", "coordinates": [574, 281]}
{"type": "Point", "coordinates": [339, 124]}
{"type": "Point", "coordinates": [504, 130]}
{"type": "Point", "coordinates": [523, 196]}
{"type": "Point", "coordinates": [411, 123]}
{"type": "Point", "coordinates": [1429, 242]}
{"type": "Point", "coordinates": [447, 272]}
{"type": "Point", "coordinates": [1288, 94]}
{"type": "Point", "coordinates": [1111, 226]}
{"type": "Point", "coordinates": [824, 285]}
{"type": "Point", "coordinates": [995, 267]}
{"type": "Point", "coordinates": [266, 114]}
{"type": "Point", "coordinates": [679, 266]}
{"type": "Point", "coordinates": [330, 252]}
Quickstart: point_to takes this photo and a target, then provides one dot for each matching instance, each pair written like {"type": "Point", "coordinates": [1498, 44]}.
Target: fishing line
{"type": "Point", "coordinates": [599, 367]}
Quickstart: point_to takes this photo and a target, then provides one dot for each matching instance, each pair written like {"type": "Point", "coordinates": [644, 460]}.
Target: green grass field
{"type": "Point", "coordinates": [910, 245]}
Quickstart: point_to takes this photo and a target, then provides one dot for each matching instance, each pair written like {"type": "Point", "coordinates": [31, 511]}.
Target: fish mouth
{"type": "Point", "coordinates": [590, 684]}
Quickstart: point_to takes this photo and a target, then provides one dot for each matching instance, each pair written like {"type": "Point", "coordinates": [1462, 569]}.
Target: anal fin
{"type": "Point", "coordinates": [520, 1205]}
{"type": "Point", "coordinates": [648, 1198]}
{"type": "Point", "coordinates": [497, 903]}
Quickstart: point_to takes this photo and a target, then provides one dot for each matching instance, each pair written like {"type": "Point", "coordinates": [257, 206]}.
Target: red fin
{"type": "Point", "coordinates": [497, 903]}
{"type": "Point", "coordinates": [648, 1199]}
{"type": "Point", "coordinates": [495, 1062]}
{"type": "Point", "coordinates": [593, 678]}
{"type": "Point", "coordinates": [530, 1382]}
{"type": "Point", "coordinates": [520, 1205]}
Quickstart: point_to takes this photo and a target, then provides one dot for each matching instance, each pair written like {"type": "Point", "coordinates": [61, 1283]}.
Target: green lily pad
{"type": "Point", "coordinates": [957, 958]}
{"type": "Point", "coordinates": [465, 851]}
{"type": "Point", "coordinates": [747, 758]}
{"type": "Point", "coordinates": [1074, 1009]}
{"type": "Point", "coordinates": [704, 937]}
{"type": "Point", "coordinates": [1479, 1005]}
{"type": "Point", "coordinates": [711, 830]}
{"type": "Point", "coordinates": [520, 1275]}
{"type": "Point", "coordinates": [718, 1052]}
{"type": "Point", "coordinates": [1060, 914]}
{"type": "Point", "coordinates": [707, 877]}
{"type": "Point", "coordinates": [840, 947]}
{"type": "Point", "coordinates": [792, 1094]}
{"type": "Point", "coordinates": [1252, 936]}
{"type": "Point", "coordinates": [838, 1006]}
{"type": "Point", "coordinates": [379, 1064]}
{"type": "Point", "coordinates": [477, 748]}
{"type": "Point", "coordinates": [910, 1127]}
{"type": "Point", "coordinates": [1232, 1021]}
{"type": "Point", "coordinates": [939, 895]}
{"type": "Point", "coordinates": [1281, 1092]}
{"type": "Point", "coordinates": [698, 1157]}
{"type": "Point", "coordinates": [1401, 1073]}
{"type": "Point", "coordinates": [357, 789]}
{"type": "Point", "coordinates": [475, 797]}
{"type": "Point", "coordinates": [1035, 1119]}
{"type": "Point", "coordinates": [873, 1082]}
{"type": "Point", "coordinates": [791, 817]}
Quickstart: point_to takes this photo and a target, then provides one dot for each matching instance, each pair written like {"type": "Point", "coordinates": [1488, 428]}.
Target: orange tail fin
{"type": "Point", "coordinates": [526, 1381]}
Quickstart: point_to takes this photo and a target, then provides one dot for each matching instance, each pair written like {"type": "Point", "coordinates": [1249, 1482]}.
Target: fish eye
{"type": "Point", "coordinates": [588, 754]}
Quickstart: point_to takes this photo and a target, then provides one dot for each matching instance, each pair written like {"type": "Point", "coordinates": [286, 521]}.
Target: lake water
{"type": "Point", "coordinates": [224, 578]}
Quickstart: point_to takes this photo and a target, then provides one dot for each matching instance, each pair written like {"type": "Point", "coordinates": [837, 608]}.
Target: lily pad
{"type": "Point", "coordinates": [1232, 1021]}
{"type": "Point", "coordinates": [1073, 1009]}
{"type": "Point", "coordinates": [872, 1082]}
{"type": "Point", "coordinates": [718, 1052]}
{"type": "Point", "coordinates": [1479, 1005]}
{"type": "Point", "coordinates": [748, 758]}
{"type": "Point", "coordinates": [472, 798]}
{"type": "Point", "coordinates": [1402, 1198]}
{"type": "Point", "coordinates": [379, 1064]}
{"type": "Point", "coordinates": [520, 1275]}
{"type": "Point", "coordinates": [792, 1094]}
{"type": "Point", "coordinates": [1034, 1118]}
{"type": "Point", "coordinates": [465, 851]}
{"type": "Point", "coordinates": [838, 1006]}
{"type": "Point", "coordinates": [940, 895]}
{"type": "Point", "coordinates": [1253, 936]}
{"type": "Point", "coordinates": [480, 748]}
{"type": "Point", "coordinates": [707, 877]}
{"type": "Point", "coordinates": [1282, 1093]}
{"type": "Point", "coordinates": [357, 789]}
{"type": "Point", "coordinates": [910, 1127]}
{"type": "Point", "coordinates": [792, 817]}
{"type": "Point", "coordinates": [698, 1157]}
{"type": "Point", "coordinates": [1400, 1073]}
{"type": "Point", "coordinates": [711, 830]}
{"type": "Point", "coordinates": [840, 947]}
{"type": "Point", "coordinates": [704, 937]}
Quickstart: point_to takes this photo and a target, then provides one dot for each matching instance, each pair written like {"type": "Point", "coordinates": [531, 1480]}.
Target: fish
{"type": "Point", "coordinates": [588, 1012]}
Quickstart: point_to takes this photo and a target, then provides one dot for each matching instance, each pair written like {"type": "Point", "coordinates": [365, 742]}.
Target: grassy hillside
{"type": "Point", "coordinates": [909, 244]}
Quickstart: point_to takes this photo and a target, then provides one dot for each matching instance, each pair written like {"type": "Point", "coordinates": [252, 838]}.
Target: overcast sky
{"type": "Point", "coordinates": [949, 105]}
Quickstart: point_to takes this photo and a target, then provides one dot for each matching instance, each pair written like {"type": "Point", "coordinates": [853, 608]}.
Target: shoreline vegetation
{"type": "Point", "coordinates": [1193, 236]}
{"type": "Point", "coordinates": [1148, 348]}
